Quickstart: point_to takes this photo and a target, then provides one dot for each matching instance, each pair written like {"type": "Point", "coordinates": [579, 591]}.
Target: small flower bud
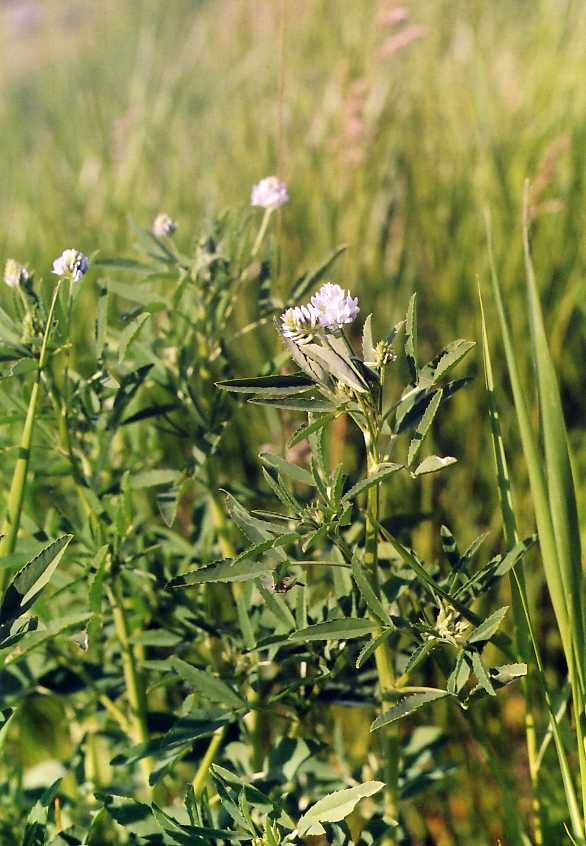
{"type": "Point", "coordinates": [335, 307]}
{"type": "Point", "coordinates": [71, 263]}
{"type": "Point", "coordinates": [270, 193]}
{"type": "Point", "coordinates": [15, 274]}
{"type": "Point", "coordinates": [383, 354]}
{"type": "Point", "coordinates": [163, 225]}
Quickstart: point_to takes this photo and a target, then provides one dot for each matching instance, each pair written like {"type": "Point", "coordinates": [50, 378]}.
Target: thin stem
{"type": "Point", "coordinates": [19, 478]}
{"type": "Point", "coordinates": [201, 775]}
{"type": "Point", "coordinates": [382, 655]}
{"type": "Point", "coordinates": [261, 232]}
{"type": "Point", "coordinates": [132, 677]}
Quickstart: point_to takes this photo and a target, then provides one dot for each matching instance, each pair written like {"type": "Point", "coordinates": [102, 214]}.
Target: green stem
{"type": "Point", "coordinates": [261, 232]}
{"type": "Point", "coordinates": [383, 658]}
{"type": "Point", "coordinates": [201, 775]}
{"type": "Point", "coordinates": [253, 720]}
{"type": "Point", "coordinates": [132, 677]}
{"type": "Point", "coordinates": [19, 478]}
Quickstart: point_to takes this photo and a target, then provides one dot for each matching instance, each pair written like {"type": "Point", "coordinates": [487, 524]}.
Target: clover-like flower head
{"type": "Point", "coordinates": [15, 274]}
{"type": "Point", "coordinates": [335, 306]}
{"type": "Point", "coordinates": [163, 225]}
{"type": "Point", "coordinates": [71, 263]}
{"type": "Point", "coordinates": [270, 193]}
{"type": "Point", "coordinates": [299, 324]}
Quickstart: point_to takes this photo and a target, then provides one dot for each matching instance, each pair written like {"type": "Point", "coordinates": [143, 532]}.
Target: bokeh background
{"type": "Point", "coordinates": [395, 126]}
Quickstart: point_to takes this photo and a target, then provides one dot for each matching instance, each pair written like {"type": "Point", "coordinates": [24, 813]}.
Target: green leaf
{"type": "Point", "coordinates": [486, 629]}
{"type": "Point", "coordinates": [308, 406]}
{"type": "Point", "coordinates": [373, 603]}
{"type": "Point", "coordinates": [343, 629]}
{"type": "Point", "coordinates": [383, 471]}
{"type": "Point", "coordinates": [304, 431]}
{"type": "Point", "coordinates": [368, 351]}
{"type": "Point", "coordinates": [371, 647]}
{"type": "Point", "coordinates": [481, 675]}
{"type": "Point", "coordinates": [292, 471]}
{"type": "Point", "coordinates": [459, 675]}
{"type": "Point", "coordinates": [207, 685]}
{"type": "Point", "coordinates": [411, 338]}
{"type": "Point", "coordinates": [335, 807]}
{"type": "Point", "coordinates": [153, 478]}
{"type": "Point", "coordinates": [336, 365]}
{"type": "Point", "coordinates": [444, 361]}
{"type": "Point", "coordinates": [407, 706]}
{"type": "Point", "coordinates": [60, 626]}
{"type": "Point", "coordinates": [223, 571]}
{"type": "Point", "coordinates": [29, 582]}
{"type": "Point", "coordinates": [423, 427]}
{"type": "Point", "coordinates": [295, 383]}
{"type": "Point", "coordinates": [129, 334]}
{"type": "Point", "coordinates": [433, 463]}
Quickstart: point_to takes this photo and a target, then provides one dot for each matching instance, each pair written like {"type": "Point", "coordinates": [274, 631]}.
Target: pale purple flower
{"type": "Point", "coordinates": [334, 306]}
{"type": "Point", "coordinates": [299, 323]}
{"type": "Point", "coordinates": [270, 193]}
{"type": "Point", "coordinates": [163, 225]}
{"type": "Point", "coordinates": [15, 274]}
{"type": "Point", "coordinates": [71, 263]}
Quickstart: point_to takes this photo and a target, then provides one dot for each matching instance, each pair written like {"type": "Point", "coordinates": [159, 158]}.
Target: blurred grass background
{"type": "Point", "coordinates": [394, 125]}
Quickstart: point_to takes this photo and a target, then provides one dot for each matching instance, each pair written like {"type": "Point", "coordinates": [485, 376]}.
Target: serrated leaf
{"type": "Point", "coordinates": [367, 340]}
{"type": "Point", "coordinates": [486, 629]}
{"type": "Point", "coordinates": [433, 463]}
{"type": "Point", "coordinates": [459, 675]}
{"type": "Point", "coordinates": [444, 361]}
{"type": "Point", "coordinates": [26, 585]}
{"type": "Point", "coordinates": [335, 807]}
{"type": "Point", "coordinates": [343, 629]}
{"type": "Point", "coordinates": [223, 570]}
{"type": "Point", "coordinates": [407, 706]}
{"type": "Point", "coordinates": [423, 427]}
{"type": "Point", "coordinates": [410, 345]}
{"type": "Point", "coordinates": [207, 685]}
{"type": "Point", "coordinates": [481, 675]}
{"type": "Point", "coordinates": [383, 471]}
{"type": "Point", "coordinates": [294, 383]}
{"type": "Point", "coordinates": [305, 431]}
{"type": "Point", "coordinates": [371, 647]}
{"type": "Point", "coordinates": [308, 406]}
{"type": "Point", "coordinates": [292, 471]}
{"type": "Point", "coordinates": [373, 603]}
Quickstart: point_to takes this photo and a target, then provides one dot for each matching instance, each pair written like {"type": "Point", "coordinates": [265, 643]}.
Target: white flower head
{"type": "Point", "coordinates": [334, 306]}
{"type": "Point", "coordinates": [163, 225]}
{"type": "Point", "coordinates": [270, 193]}
{"type": "Point", "coordinates": [15, 274]}
{"type": "Point", "coordinates": [299, 324]}
{"type": "Point", "coordinates": [71, 263]}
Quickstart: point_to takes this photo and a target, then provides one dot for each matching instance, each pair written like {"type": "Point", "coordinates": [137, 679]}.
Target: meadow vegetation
{"type": "Point", "coordinates": [270, 578]}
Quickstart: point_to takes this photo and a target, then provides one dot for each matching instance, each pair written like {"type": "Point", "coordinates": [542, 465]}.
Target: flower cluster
{"type": "Point", "coordinates": [163, 225]}
{"type": "Point", "coordinates": [71, 263]}
{"type": "Point", "coordinates": [299, 323]}
{"type": "Point", "coordinates": [270, 193]}
{"type": "Point", "coordinates": [329, 310]}
{"type": "Point", "coordinates": [15, 274]}
{"type": "Point", "coordinates": [335, 307]}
